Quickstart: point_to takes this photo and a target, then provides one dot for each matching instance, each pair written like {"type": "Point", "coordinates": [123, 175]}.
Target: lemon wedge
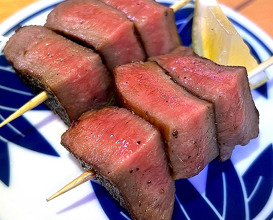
{"type": "Point", "coordinates": [215, 37]}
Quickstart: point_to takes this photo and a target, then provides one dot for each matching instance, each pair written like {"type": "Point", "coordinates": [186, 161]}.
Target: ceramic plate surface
{"type": "Point", "coordinates": [33, 164]}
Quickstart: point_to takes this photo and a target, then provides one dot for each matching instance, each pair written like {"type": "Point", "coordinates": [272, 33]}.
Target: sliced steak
{"type": "Point", "coordinates": [227, 87]}
{"type": "Point", "coordinates": [99, 26]}
{"type": "Point", "coordinates": [73, 75]}
{"type": "Point", "coordinates": [186, 122]}
{"type": "Point", "coordinates": [127, 154]}
{"type": "Point", "coordinates": [155, 24]}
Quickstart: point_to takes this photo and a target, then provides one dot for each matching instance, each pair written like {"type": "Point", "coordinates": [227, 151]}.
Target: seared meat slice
{"type": "Point", "coordinates": [186, 122]}
{"type": "Point", "coordinates": [73, 75]}
{"type": "Point", "coordinates": [127, 154]}
{"type": "Point", "coordinates": [99, 26]}
{"type": "Point", "coordinates": [226, 87]}
{"type": "Point", "coordinates": [155, 24]}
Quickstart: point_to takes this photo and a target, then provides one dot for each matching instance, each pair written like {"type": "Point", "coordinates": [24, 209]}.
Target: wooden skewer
{"type": "Point", "coordinates": [257, 77]}
{"type": "Point", "coordinates": [37, 100]}
{"type": "Point", "coordinates": [87, 175]}
{"type": "Point", "coordinates": [261, 67]}
{"type": "Point", "coordinates": [176, 6]}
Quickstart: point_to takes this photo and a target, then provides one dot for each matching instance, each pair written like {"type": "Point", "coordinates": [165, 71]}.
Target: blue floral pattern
{"type": "Point", "coordinates": [227, 195]}
{"type": "Point", "coordinates": [19, 131]}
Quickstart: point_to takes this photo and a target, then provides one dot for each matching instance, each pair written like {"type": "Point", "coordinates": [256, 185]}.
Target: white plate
{"type": "Point", "coordinates": [34, 164]}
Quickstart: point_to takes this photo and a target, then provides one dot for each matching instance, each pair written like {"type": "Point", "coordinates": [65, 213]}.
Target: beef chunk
{"type": "Point", "coordinates": [127, 154]}
{"type": "Point", "coordinates": [155, 24]}
{"type": "Point", "coordinates": [226, 87]}
{"type": "Point", "coordinates": [99, 26]}
{"type": "Point", "coordinates": [186, 122]}
{"type": "Point", "coordinates": [74, 76]}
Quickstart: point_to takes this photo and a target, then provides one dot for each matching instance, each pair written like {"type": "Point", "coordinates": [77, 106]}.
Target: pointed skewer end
{"type": "Point", "coordinates": [3, 123]}
{"type": "Point", "coordinates": [87, 175]}
{"type": "Point", "coordinates": [37, 100]}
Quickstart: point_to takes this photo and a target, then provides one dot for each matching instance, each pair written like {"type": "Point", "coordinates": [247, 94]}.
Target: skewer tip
{"type": "Point", "coordinates": [87, 175]}
{"type": "Point", "coordinates": [37, 100]}
{"type": "Point", "coordinates": [176, 6]}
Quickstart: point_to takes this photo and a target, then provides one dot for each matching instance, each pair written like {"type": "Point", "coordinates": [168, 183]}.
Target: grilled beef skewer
{"type": "Point", "coordinates": [127, 156]}
{"type": "Point", "coordinates": [73, 76]}
{"type": "Point", "coordinates": [227, 87]}
{"type": "Point", "coordinates": [117, 43]}
{"type": "Point", "coordinates": [186, 122]}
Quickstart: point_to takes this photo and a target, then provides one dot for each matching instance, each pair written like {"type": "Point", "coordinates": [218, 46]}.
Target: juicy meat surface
{"type": "Point", "coordinates": [73, 75]}
{"type": "Point", "coordinates": [128, 153]}
{"type": "Point", "coordinates": [99, 26]}
{"type": "Point", "coordinates": [186, 122]}
{"type": "Point", "coordinates": [226, 87]}
{"type": "Point", "coordinates": [155, 24]}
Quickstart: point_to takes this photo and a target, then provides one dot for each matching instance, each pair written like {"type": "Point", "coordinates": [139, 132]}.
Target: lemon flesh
{"type": "Point", "coordinates": [215, 38]}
